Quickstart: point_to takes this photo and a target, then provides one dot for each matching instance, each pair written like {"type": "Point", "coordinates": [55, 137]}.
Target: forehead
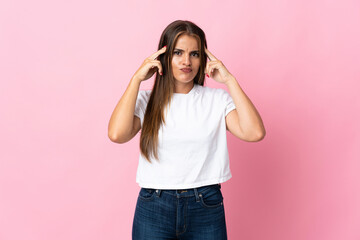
{"type": "Point", "coordinates": [186, 42]}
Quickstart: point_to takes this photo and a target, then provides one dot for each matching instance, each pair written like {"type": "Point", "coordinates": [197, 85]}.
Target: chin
{"type": "Point", "coordinates": [185, 80]}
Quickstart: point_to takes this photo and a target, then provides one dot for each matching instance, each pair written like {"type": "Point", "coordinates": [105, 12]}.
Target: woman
{"type": "Point", "coordinates": [184, 156]}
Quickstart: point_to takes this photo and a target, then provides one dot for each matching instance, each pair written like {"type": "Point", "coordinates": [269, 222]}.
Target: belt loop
{"type": "Point", "coordinates": [196, 195]}
{"type": "Point", "coordinates": [158, 192]}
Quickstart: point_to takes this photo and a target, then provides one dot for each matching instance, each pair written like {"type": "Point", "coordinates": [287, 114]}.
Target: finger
{"type": "Point", "coordinates": [210, 55]}
{"type": "Point", "coordinates": [211, 70]}
{"type": "Point", "coordinates": [158, 65]}
{"type": "Point", "coordinates": [158, 53]}
{"type": "Point", "coordinates": [160, 70]}
{"type": "Point", "coordinates": [208, 67]}
{"type": "Point", "coordinates": [212, 63]}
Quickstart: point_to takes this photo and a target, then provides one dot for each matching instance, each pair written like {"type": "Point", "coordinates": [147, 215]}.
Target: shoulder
{"type": "Point", "coordinates": [213, 92]}
{"type": "Point", "coordinates": [143, 98]}
{"type": "Point", "coordinates": [144, 94]}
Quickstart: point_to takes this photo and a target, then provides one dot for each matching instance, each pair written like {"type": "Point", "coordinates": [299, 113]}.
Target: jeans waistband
{"type": "Point", "coordinates": [190, 192]}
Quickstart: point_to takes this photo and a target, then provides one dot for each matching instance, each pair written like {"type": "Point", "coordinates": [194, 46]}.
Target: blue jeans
{"type": "Point", "coordinates": [196, 214]}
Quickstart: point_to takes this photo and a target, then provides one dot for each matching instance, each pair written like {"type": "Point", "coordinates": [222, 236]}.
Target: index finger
{"type": "Point", "coordinates": [158, 53]}
{"type": "Point", "coordinates": [211, 57]}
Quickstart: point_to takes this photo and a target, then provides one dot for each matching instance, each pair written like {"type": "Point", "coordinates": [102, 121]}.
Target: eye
{"type": "Point", "coordinates": [176, 52]}
{"type": "Point", "coordinates": [196, 54]}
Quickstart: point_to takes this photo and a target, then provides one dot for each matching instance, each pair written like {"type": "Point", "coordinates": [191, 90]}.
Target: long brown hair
{"type": "Point", "coordinates": [164, 85]}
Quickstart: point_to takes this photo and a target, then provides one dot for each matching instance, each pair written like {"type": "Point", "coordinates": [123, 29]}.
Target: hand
{"type": "Point", "coordinates": [216, 69]}
{"type": "Point", "coordinates": [150, 66]}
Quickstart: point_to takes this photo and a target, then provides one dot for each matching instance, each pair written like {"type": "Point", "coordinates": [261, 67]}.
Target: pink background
{"type": "Point", "coordinates": [65, 64]}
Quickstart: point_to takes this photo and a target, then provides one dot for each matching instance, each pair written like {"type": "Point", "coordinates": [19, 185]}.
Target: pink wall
{"type": "Point", "coordinates": [65, 64]}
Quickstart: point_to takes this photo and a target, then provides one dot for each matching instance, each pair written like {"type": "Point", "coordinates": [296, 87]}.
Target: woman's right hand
{"type": "Point", "coordinates": [150, 66]}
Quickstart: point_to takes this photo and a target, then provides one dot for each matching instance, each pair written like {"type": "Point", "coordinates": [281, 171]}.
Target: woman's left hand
{"type": "Point", "coordinates": [216, 69]}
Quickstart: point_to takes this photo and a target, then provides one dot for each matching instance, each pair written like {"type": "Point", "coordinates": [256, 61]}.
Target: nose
{"type": "Point", "coordinates": [186, 60]}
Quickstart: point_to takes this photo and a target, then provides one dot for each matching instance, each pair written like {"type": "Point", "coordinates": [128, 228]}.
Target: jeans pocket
{"type": "Point", "coordinates": [146, 194]}
{"type": "Point", "coordinates": [212, 197]}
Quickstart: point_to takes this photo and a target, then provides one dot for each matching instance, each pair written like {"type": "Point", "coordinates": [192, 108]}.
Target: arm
{"type": "Point", "coordinates": [244, 122]}
{"type": "Point", "coordinates": [250, 127]}
{"type": "Point", "coordinates": [123, 125]}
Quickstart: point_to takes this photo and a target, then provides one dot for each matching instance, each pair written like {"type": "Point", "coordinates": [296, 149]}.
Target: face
{"type": "Point", "coordinates": [186, 59]}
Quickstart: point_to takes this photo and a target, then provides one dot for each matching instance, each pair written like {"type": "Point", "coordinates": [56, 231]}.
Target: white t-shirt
{"type": "Point", "coordinates": [192, 146]}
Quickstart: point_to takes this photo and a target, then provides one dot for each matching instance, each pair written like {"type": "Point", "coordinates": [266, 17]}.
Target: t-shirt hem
{"type": "Point", "coordinates": [230, 109]}
{"type": "Point", "coordinates": [185, 186]}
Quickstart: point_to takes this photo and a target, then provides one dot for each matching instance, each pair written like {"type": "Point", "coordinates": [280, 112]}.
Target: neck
{"type": "Point", "coordinates": [183, 87]}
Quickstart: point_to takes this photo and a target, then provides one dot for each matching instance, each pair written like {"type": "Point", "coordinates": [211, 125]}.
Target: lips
{"type": "Point", "coordinates": [186, 70]}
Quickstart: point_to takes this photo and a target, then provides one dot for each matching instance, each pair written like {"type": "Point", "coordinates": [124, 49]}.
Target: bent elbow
{"type": "Point", "coordinates": [255, 137]}
{"type": "Point", "coordinates": [260, 136]}
{"type": "Point", "coordinates": [115, 138]}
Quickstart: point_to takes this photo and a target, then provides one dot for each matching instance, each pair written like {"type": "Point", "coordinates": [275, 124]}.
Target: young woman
{"type": "Point", "coordinates": [184, 156]}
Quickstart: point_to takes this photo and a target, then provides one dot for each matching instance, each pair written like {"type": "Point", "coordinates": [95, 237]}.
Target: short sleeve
{"type": "Point", "coordinates": [229, 104]}
{"type": "Point", "coordinates": [141, 103]}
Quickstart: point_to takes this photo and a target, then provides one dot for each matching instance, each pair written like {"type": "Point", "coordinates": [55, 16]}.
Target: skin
{"type": "Point", "coordinates": [251, 127]}
{"type": "Point", "coordinates": [186, 55]}
{"type": "Point", "coordinates": [244, 122]}
{"type": "Point", "coordinates": [123, 125]}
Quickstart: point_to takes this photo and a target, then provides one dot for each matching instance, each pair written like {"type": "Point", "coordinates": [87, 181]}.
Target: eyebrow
{"type": "Point", "coordinates": [178, 49]}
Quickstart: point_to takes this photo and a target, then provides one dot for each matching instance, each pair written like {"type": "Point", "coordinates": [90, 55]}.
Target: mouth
{"type": "Point", "coordinates": [186, 70]}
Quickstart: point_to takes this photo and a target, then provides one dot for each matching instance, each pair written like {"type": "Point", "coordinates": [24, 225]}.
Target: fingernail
{"type": "Point", "coordinates": [207, 75]}
{"type": "Point", "coordinates": [161, 73]}
{"type": "Point", "coordinates": [165, 45]}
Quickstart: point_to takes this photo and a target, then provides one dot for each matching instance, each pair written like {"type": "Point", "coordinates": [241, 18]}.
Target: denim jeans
{"type": "Point", "coordinates": [196, 214]}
